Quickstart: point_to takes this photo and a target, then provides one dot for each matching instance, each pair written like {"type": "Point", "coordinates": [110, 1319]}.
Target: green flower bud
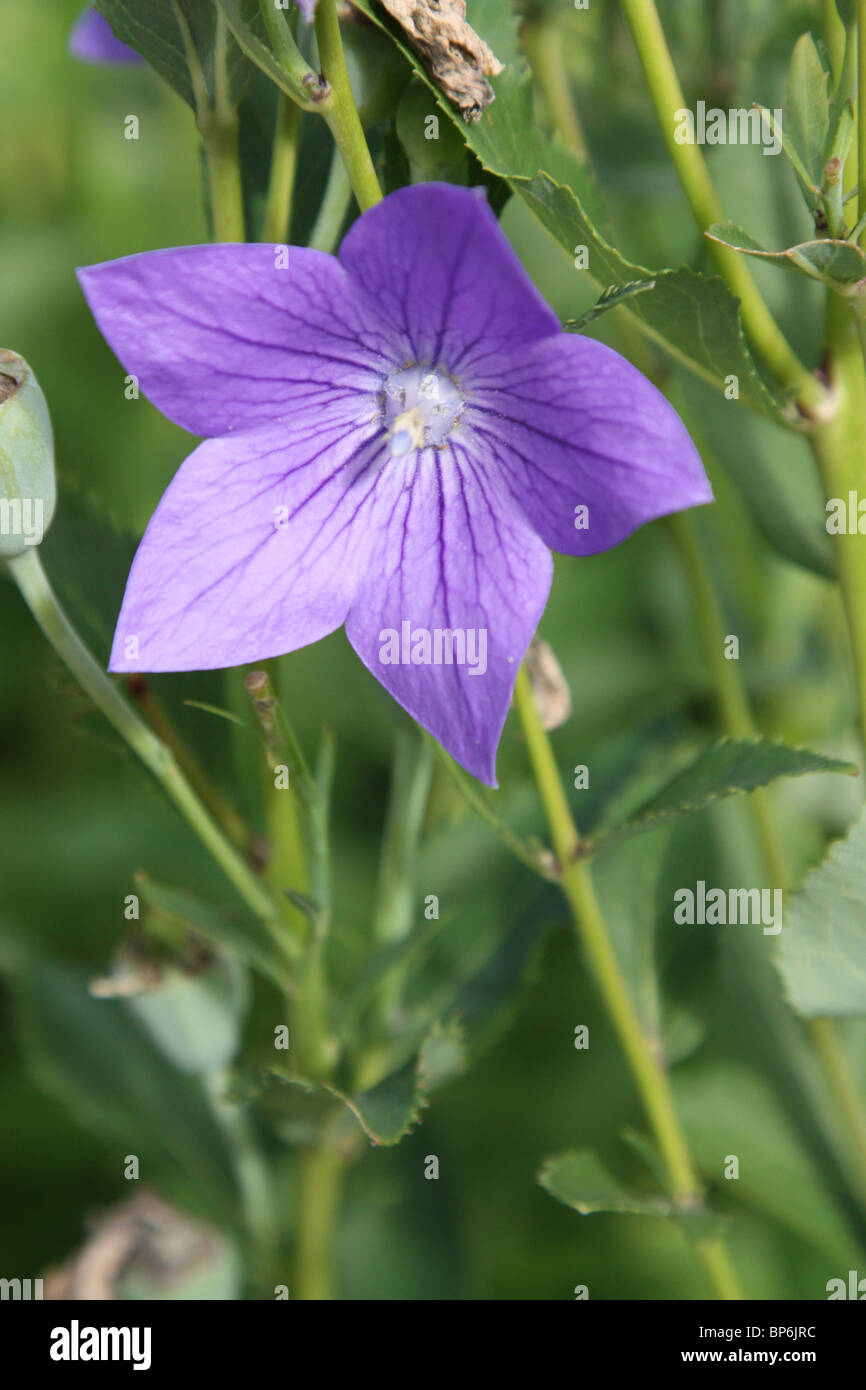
{"type": "Point", "coordinates": [27, 486]}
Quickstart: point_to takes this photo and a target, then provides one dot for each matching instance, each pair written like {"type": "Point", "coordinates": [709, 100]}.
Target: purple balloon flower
{"type": "Point", "coordinates": [93, 40]}
{"type": "Point", "coordinates": [396, 437]}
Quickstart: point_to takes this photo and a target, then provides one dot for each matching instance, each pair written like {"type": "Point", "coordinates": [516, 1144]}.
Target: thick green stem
{"type": "Point", "coordinates": [320, 1182]}
{"type": "Point", "coordinates": [647, 1068]}
{"type": "Point", "coordinates": [282, 178]}
{"type": "Point", "coordinates": [667, 96]}
{"type": "Point", "coordinates": [861, 110]}
{"type": "Point", "coordinates": [26, 569]}
{"type": "Point", "coordinates": [218, 127]}
{"type": "Point", "coordinates": [342, 113]}
{"type": "Point", "coordinates": [220, 137]}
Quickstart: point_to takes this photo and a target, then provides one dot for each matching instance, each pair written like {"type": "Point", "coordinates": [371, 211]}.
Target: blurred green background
{"type": "Point", "coordinates": [77, 818]}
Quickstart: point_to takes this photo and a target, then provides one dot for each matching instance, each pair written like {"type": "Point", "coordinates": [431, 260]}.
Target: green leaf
{"type": "Point", "coordinates": [243, 935]}
{"type": "Point", "coordinates": [727, 768]}
{"type": "Point", "coordinates": [580, 1181]}
{"type": "Point", "coordinates": [822, 946]}
{"type": "Point", "coordinates": [179, 39]}
{"type": "Point", "coordinates": [93, 1055]}
{"type": "Point", "coordinates": [386, 1112]}
{"type": "Point", "coordinates": [609, 299]}
{"type": "Point", "coordinates": [728, 1108]}
{"type": "Point", "coordinates": [694, 317]}
{"type": "Point", "coordinates": [807, 109]}
{"type": "Point", "coordinates": [838, 264]}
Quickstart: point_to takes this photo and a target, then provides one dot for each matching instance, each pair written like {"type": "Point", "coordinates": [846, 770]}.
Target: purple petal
{"type": "Point", "coordinates": [443, 277]}
{"type": "Point", "coordinates": [225, 337]}
{"type": "Point", "coordinates": [574, 425]}
{"type": "Point", "coordinates": [308, 9]}
{"type": "Point", "coordinates": [223, 576]}
{"type": "Point", "coordinates": [453, 553]}
{"type": "Point", "coordinates": [93, 41]}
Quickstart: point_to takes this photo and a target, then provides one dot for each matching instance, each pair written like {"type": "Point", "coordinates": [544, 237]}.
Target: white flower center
{"type": "Point", "coordinates": [422, 406]}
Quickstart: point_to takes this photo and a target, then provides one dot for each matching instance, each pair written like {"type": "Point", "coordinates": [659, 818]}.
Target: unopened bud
{"type": "Point", "coordinates": [27, 485]}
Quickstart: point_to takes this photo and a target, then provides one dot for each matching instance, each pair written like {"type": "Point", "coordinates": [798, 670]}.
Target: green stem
{"type": "Point", "coordinates": [26, 569]}
{"type": "Point", "coordinates": [833, 1056]}
{"type": "Point", "coordinates": [320, 1180]}
{"type": "Point", "coordinates": [544, 47]}
{"type": "Point", "coordinates": [217, 804]}
{"type": "Point", "coordinates": [333, 208]}
{"type": "Point", "coordinates": [220, 138]}
{"type": "Point", "coordinates": [839, 450]}
{"type": "Point", "coordinates": [667, 96]}
{"type": "Point", "coordinates": [647, 1068]}
{"type": "Point", "coordinates": [218, 127]}
{"type": "Point", "coordinates": [861, 108]}
{"type": "Point", "coordinates": [737, 721]}
{"type": "Point", "coordinates": [735, 715]}
{"type": "Point", "coordinates": [342, 114]}
{"type": "Point", "coordinates": [282, 177]}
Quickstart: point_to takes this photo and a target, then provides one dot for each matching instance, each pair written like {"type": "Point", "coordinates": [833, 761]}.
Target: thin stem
{"type": "Point", "coordinates": [320, 1181]}
{"type": "Point", "coordinates": [667, 96]}
{"type": "Point", "coordinates": [736, 716]}
{"type": "Point", "coordinates": [737, 721]}
{"type": "Point", "coordinates": [544, 47]}
{"type": "Point", "coordinates": [333, 208]}
{"type": "Point", "coordinates": [471, 794]}
{"type": "Point", "coordinates": [225, 815]}
{"type": "Point", "coordinates": [342, 115]}
{"type": "Point", "coordinates": [282, 177]}
{"type": "Point", "coordinates": [646, 1066]}
{"type": "Point", "coordinates": [833, 1056]}
{"type": "Point", "coordinates": [26, 569]}
{"type": "Point", "coordinates": [861, 106]}
{"type": "Point", "coordinates": [838, 448]}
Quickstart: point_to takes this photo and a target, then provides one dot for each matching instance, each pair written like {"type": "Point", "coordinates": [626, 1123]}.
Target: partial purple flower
{"type": "Point", "coordinates": [395, 440]}
{"type": "Point", "coordinates": [93, 41]}
{"type": "Point", "coordinates": [308, 9]}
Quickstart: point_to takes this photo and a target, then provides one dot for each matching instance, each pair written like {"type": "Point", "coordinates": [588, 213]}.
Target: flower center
{"type": "Point", "coordinates": [422, 406]}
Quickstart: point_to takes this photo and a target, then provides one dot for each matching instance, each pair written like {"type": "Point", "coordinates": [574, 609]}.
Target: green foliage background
{"type": "Point", "coordinates": [77, 818]}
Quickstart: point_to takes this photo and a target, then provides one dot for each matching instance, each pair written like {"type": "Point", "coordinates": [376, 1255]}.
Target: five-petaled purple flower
{"type": "Point", "coordinates": [395, 438]}
{"type": "Point", "coordinates": [93, 41]}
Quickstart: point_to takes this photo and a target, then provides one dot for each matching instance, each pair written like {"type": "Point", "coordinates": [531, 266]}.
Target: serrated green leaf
{"type": "Point", "coordinates": [155, 29]}
{"type": "Point", "coordinates": [727, 768]}
{"type": "Point", "coordinates": [386, 1112]}
{"type": "Point", "coordinates": [822, 946]}
{"type": "Point", "coordinates": [609, 299]}
{"type": "Point", "coordinates": [838, 264]}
